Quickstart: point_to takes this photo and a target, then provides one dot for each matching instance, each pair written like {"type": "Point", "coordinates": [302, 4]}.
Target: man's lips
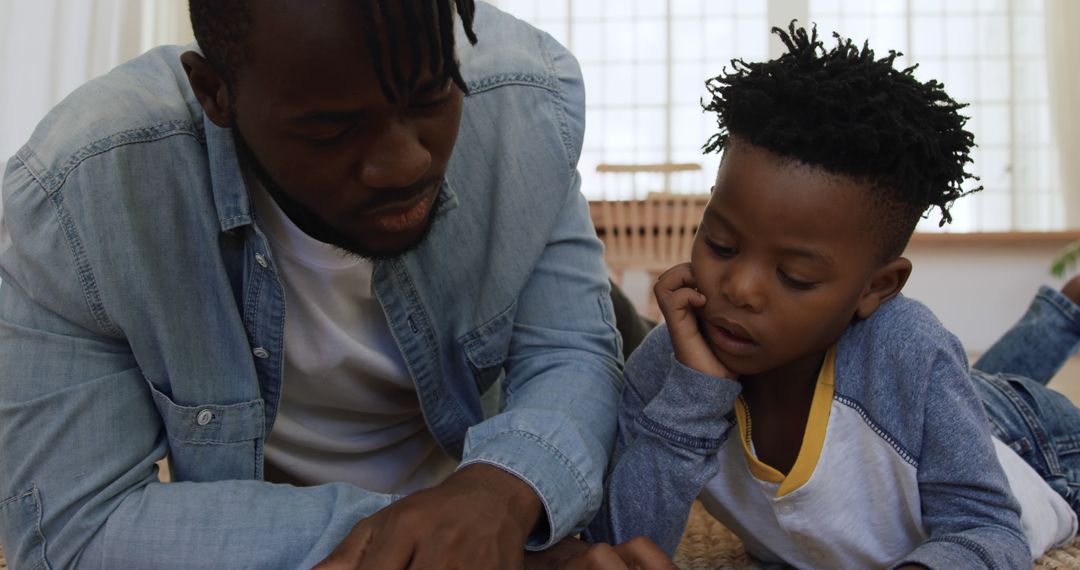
{"type": "Point", "coordinates": [403, 215]}
{"type": "Point", "coordinates": [405, 203]}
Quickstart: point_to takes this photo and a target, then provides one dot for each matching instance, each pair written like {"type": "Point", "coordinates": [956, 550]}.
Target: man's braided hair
{"type": "Point", "coordinates": [853, 115]}
{"type": "Point", "coordinates": [222, 26]}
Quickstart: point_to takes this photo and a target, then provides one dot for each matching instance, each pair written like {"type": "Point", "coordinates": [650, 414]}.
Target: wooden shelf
{"type": "Point", "coordinates": [1061, 238]}
{"type": "Point", "coordinates": [995, 238]}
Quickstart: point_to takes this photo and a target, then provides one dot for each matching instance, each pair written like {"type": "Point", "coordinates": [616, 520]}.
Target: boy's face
{"type": "Point", "coordinates": [785, 261]}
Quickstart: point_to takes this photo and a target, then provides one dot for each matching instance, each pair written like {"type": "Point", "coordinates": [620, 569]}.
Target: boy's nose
{"type": "Point", "coordinates": [742, 288]}
{"type": "Point", "coordinates": [395, 158]}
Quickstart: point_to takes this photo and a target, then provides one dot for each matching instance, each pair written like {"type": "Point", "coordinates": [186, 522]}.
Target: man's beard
{"type": "Point", "coordinates": [311, 224]}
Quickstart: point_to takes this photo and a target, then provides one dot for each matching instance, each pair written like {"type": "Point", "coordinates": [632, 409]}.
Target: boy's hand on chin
{"type": "Point", "coordinates": [679, 300]}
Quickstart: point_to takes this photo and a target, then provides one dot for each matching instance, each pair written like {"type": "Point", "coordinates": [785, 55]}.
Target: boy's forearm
{"type": "Point", "coordinates": [665, 454]}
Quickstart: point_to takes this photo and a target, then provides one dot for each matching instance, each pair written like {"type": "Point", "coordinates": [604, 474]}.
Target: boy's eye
{"type": "Point", "coordinates": [795, 283]}
{"type": "Point", "coordinates": [721, 250]}
{"type": "Point", "coordinates": [329, 139]}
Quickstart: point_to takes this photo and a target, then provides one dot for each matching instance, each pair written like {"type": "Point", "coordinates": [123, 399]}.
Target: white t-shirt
{"type": "Point", "coordinates": [349, 410]}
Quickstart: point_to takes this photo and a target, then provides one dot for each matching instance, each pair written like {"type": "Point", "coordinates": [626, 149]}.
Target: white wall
{"type": "Point", "coordinates": [979, 289]}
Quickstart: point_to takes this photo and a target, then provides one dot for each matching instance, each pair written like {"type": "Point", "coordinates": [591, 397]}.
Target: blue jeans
{"type": "Point", "coordinates": [1041, 425]}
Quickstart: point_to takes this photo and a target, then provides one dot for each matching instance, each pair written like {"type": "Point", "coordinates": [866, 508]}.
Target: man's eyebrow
{"type": "Point", "coordinates": [429, 87]}
{"type": "Point", "coordinates": [328, 116]}
{"type": "Point", "coordinates": [432, 85]}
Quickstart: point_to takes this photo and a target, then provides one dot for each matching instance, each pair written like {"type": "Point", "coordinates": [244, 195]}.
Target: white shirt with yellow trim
{"type": "Point", "coordinates": [829, 487]}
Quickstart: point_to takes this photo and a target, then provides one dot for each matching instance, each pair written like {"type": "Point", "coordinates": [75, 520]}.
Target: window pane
{"type": "Point", "coordinates": [619, 41]}
{"type": "Point", "coordinates": [984, 58]}
{"type": "Point", "coordinates": [650, 40]}
{"type": "Point", "coordinates": [687, 41]}
{"type": "Point", "coordinates": [587, 41]}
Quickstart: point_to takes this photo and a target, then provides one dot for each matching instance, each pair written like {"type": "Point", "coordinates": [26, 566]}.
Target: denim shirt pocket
{"type": "Point", "coordinates": [213, 442]}
{"type": "Point", "coordinates": [487, 346]}
{"type": "Point", "coordinates": [20, 530]}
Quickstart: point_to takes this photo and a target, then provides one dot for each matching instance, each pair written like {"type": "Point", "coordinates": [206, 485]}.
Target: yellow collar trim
{"type": "Point", "coordinates": [813, 438]}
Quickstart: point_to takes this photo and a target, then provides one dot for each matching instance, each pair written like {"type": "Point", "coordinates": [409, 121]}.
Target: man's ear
{"type": "Point", "coordinates": [209, 86]}
{"type": "Point", "coordinates": [885, 284]}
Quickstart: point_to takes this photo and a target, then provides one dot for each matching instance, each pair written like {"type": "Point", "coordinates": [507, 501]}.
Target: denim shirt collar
{"type": "Point", "coordinates": [230, 193]}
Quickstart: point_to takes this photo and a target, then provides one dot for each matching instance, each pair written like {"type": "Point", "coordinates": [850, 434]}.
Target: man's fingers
{"type": "Point", "coordinates": [386, 554]}
{"type": "Point", "coordinates": [638, 553]}
{"type": "Point", "coordinates": [351, 550]}
{"type": "Point", "coordinates": [446, 552]}
{"type": "Point", "coordinates": [597, 557]}
{"type": "Point", "coordinates": [641, 552]}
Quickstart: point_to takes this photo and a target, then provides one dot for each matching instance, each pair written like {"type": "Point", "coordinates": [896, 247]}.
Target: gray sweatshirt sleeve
{"type": "Point", "coordinates": [672, 420]}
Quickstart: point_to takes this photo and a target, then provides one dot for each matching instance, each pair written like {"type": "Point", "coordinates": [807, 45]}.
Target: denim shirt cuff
{"type": "Point", "coordinates": [563, 492]}
{"type": "Point", "coordinates": [691, 409]}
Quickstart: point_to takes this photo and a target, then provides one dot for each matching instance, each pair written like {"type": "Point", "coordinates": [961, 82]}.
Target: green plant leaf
{"type": "Point", "coordinates": [1065, 260]}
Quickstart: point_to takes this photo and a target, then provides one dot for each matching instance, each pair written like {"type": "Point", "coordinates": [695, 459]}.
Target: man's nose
{"type": "Point", "coordinates": [396, 158]}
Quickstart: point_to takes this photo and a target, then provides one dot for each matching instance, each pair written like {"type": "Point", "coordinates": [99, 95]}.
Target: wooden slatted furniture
{"type": "Point", "coordinates": [649, 234]}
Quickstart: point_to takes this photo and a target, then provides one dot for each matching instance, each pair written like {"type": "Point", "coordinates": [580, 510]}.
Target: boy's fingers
{"type": "Point", "coordinates": [675, 278]}
{"type": "Point", "coordinates": [683, 299]}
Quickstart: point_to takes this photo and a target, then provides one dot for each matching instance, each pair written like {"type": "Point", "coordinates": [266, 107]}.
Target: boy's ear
{"type": "Point", "coordinates": [885, 284]}
{"type": "Point", "coordinates": [209, 87]}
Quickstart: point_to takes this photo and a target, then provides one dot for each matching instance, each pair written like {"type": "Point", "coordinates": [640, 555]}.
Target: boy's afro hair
{"type": "Point", "coordinates": [852, 115]}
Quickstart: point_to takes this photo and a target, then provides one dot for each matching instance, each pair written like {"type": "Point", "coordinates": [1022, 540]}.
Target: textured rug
{"type": "Point", "coordinates": [707, 545]}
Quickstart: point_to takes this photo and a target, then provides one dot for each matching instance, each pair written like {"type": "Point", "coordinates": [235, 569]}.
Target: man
{"type": "Point", "coordinates": [305, 254]}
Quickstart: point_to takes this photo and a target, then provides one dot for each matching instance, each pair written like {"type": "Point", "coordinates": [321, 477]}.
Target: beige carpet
{"type": "Point", "coordinates": [707, 545]}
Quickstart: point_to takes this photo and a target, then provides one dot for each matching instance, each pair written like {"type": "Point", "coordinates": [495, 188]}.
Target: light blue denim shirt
{"type": "Point", "coordinates": [141, 314]}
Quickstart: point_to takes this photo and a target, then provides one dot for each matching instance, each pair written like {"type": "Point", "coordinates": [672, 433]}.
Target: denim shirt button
{"type": "Point", "coordinates": [261, 260]}
{"type": "Point", "coordinates": [204, 417]}
{"type": "Point", "coordinates": [261, 352]}
{"type": "Point", "coordinates": [786, 509]}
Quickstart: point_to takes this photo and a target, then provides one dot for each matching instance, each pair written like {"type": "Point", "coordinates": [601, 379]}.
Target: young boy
{"type": "Point", "coordinates": [827, 420]}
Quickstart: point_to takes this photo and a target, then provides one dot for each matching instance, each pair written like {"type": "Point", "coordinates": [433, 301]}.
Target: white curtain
{"type": "Point", "coordinates": [50, 47]}
{"type": "Point", "coordinates": [1062, 47]}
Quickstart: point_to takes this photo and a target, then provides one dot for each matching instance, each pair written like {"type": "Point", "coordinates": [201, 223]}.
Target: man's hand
{"type": "Point", "coordinates": [679, 301]}
{"type": "Point", "coordinates": [479, 517]}
{"type": "Point", "coordinates": [573, 554]}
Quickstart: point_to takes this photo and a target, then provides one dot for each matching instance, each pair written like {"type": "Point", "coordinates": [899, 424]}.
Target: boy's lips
{"type": "Point", "coordinates": [729, 337]}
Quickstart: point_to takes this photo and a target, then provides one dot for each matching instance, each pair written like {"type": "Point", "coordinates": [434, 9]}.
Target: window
{"type": "Point", "coordinates": [645, 63]}
{"type": "Point", "coordinates": [990, 54]}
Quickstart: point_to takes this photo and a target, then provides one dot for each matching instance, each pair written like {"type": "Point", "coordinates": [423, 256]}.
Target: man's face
{"type": "Point", "coordinates": [783, 257]}
{"type": "Point", "coordinates": [348, 166]}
